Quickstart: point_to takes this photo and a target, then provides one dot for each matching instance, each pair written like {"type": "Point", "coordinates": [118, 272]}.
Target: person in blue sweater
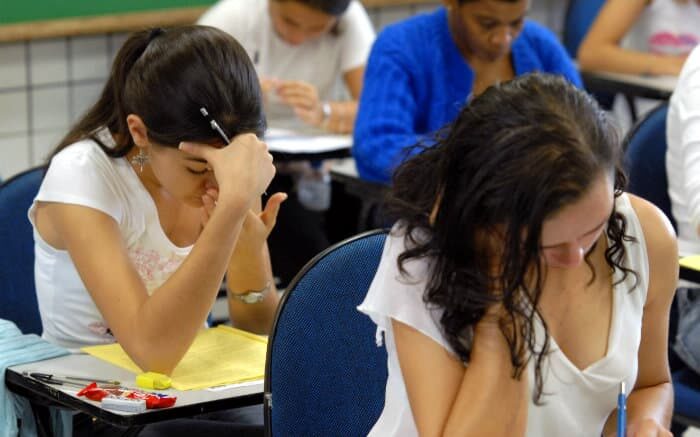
{"type": "Point", "coordinates": [421, 71]}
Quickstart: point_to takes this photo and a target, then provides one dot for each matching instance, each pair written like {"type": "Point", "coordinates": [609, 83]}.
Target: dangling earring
{"type": "Point", "coordinates": [140, 160]}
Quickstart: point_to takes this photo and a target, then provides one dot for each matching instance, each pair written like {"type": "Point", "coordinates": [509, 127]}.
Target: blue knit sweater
{"type": "Point", "coordinates": [417, 80]}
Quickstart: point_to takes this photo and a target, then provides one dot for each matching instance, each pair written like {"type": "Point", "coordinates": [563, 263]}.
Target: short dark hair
{"type": "Point", "coordinates": [515, 155]}
{"type": "Point", "coordinates": [164, 77]}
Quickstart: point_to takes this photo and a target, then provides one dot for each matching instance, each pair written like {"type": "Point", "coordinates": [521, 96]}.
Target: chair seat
{"type": "Point", "coordinates": [686, 386]}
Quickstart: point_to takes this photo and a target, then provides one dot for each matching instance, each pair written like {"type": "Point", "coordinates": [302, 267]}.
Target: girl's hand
{"type": "Point", "coordinates": [647, 428]}
{"type": "Point", "coordinates": [268, 85]}
{"type": "Point", "coordinates": [243, 169]}
{"type": "Point", "coordinates": [303, 98]}
{"type": "Point", "coordinates": [257, 226]}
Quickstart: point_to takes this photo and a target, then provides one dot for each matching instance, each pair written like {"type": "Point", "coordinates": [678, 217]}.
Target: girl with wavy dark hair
{"type": "Point", "coordinates": [144, 207]}
{"type": "Point", "coordinates": [520, 285]}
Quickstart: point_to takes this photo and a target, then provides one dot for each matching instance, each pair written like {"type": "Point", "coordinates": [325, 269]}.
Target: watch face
{"type": "Point", "coordinates": [252, 297]}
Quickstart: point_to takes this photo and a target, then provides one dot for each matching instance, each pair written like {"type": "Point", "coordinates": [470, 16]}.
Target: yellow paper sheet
{"type": "Point", "coordinates": [691, 262]}
{"type": "Point", "coordinates": [218, 356]}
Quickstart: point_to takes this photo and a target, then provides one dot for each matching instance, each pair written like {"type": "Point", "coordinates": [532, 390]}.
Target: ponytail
{"type": "Point", "coordinates": [164, 77]}
{"type": "Point", "coordinates": [108, 112]}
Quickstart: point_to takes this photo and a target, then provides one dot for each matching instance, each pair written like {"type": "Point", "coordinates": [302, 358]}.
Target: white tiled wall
{"type": "Point", "coordinates": [46, 85]}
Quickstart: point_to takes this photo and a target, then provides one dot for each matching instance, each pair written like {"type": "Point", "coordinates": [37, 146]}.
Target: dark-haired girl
{"type": "Point", "coordinates": [521, 285]}
{"type": "Point", "coordinates": [144, 207]}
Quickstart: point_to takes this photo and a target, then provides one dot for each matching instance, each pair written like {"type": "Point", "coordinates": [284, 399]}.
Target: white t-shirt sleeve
{"type": "Point", "coordinates": [689, 122]}
{"type": "Point", "coordinates": [400, 297]}
{"type": "Point", "coordinates": [81, 175]}
{"type": "Point", "coordinates": [233, 17]}
{"type": "Point", "coordinates": [358, 36]}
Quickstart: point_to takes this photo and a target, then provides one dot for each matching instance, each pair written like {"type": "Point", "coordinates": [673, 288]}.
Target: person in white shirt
{"type": "Point", "coordinates": [520, 285]}
{"type": "Point", "coordinates": [649, 37]}
{"type": "Point", "coordinates": [301, 48]}
{"type": "Point", "coordinates": [304, 49]}
{"type": "Point", "coordinates": [683, 173]}
{"type": "Point", "coordinates": [144, 207]}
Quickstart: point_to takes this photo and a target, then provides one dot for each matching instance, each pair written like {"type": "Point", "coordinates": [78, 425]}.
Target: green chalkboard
{"type": "Point", "coordinates": [20, 11]}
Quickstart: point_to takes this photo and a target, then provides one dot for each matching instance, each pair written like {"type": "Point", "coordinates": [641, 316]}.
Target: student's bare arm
{"type": "Point", "coordinates": [448, 399]}
{"type": "Point", "coordinates": [601, 50]}
{"type": "Point", "coordinates": [250, 269]}
{"type": "Point", "coordinates": [650, 404]}
{"type": "Point", "coordinates": [155, 331]}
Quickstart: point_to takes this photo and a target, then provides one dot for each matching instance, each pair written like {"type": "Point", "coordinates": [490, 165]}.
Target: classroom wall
{"type": "Point", "coordinates": [45, 85]}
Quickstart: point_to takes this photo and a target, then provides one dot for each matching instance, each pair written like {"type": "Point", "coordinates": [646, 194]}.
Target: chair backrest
{"type": "Point", "coordinates": [325, 375]}
{"type": "Point", "coordinates": [579, 17]}
{"type": "Point", "coordinates": [17, 293]}
{"type": "Point", "coordinates": [645, 159]}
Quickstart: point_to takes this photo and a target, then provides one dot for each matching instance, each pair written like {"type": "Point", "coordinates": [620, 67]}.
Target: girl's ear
{"type": "Point", "coordinates": [138, 130]}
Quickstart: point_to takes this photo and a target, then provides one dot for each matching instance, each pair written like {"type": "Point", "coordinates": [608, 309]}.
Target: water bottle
{"type": "Point", "coordinates": [314, 189]}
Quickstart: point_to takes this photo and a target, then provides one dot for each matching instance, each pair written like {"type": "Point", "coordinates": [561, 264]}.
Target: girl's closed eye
{"type": "Point", "coordinates": [198, 172]}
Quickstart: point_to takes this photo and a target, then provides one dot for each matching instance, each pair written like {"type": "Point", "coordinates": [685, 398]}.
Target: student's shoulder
{"type": "Point", "coordinates": [355, 12]}
{"type": "Point", "coordinates": [410, 35]}
{"type": "Point", "coordinates": [658, 233]}
{"type": "Point", "coordinates": [230, 15]}
{"type": "Point", "coordinates": [80, 153]}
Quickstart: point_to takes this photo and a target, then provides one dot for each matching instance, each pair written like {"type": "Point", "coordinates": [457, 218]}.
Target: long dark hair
{"type": "Point", "coordinates": [164, 77]}
{"type": "Point", "coordinates": [514, 156]}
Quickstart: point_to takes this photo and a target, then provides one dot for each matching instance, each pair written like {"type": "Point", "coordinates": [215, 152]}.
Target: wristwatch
{"type": "Point", "coordinates": [253, 296]}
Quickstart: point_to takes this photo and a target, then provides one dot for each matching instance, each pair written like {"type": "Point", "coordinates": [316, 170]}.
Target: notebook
{"type": "Point", "coordinates": [218, 356]}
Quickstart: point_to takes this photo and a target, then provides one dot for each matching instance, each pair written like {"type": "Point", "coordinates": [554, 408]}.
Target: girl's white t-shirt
{"type": "Point", "coordinates": [320, 62]}
{"type": "Point", "coordinates": [683, 155]}
{"type": "Point", "coordinates": [578, 401]}
{"type": "Point", "coordinates": [665, 27]}
{"type": "Point", "coordinates": [82, 174]}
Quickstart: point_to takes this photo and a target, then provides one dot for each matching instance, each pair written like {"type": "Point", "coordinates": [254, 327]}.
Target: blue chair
{"type": "Point", "coordinates": [645, 161]}
{"type": "Point", "coordinates": [325, 375]}
{"type": "Point", "coordinates": [580, 15]}
{"type": "Point", "coordinates": [17, 292]}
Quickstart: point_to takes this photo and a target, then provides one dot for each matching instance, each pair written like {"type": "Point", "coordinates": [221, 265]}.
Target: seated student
{"type": "Point", "coordinates": [302, 49]}
{"type": "Point", "coordinates": [520, 284]}
{"type": "Point", "coordinates": [683, 171]}
{"type": "Point", "coordinates": [144, 208]}
{"type": "Point", "coordinates": [650, 37]}
{"type": "Point", "coordinates": [423, 70]}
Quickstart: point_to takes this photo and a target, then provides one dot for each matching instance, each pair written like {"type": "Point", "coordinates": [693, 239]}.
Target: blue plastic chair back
{"type": "Point", "coordinates": [17, 292]}
{"type": "Point", "coordinates": [686, 403]}
{"type": "Point", "coordinates": [580, 15]}
{"type": "Point", "coordinates": [645, 159]}
{"type": "Point", "coordinates": [325, 375]}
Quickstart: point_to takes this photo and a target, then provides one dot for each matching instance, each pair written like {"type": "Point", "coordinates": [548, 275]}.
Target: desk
{"type": "Point", "coordinates": [652, 87]}
{"type": "Point", "coordinates": [689, 274]}
{"type": "Point", "coordinates": [188, 403]}
{"type": "Point", "coordinates": [290, 140]}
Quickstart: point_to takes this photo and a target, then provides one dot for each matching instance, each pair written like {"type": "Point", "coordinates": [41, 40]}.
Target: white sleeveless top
{"type": "Point", "coordinates": [580, 401]}
{"type": "Point", "coordinates": [666, 27]}
{"type": "Point", "coordinates": [82, 174]}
